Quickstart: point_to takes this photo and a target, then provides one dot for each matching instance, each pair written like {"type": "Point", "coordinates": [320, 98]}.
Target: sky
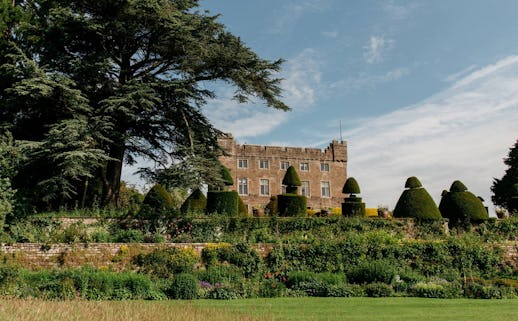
{"type": "Point", "coordinates": [420, 88]}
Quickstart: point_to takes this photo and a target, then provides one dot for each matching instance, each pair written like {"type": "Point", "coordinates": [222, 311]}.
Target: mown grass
{"type": "Point", "coordinates": [379, 309]}
{"type": "Point", "coordinates": [354, 309]}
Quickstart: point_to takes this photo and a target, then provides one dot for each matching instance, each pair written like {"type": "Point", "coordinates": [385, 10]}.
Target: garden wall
{"type": "Point", "coordinates": [118, 255]}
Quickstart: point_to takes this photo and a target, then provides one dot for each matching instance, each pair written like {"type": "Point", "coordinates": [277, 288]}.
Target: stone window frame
{"type": "Point", "coordinates": [303, 190]}
{"type": "Point", "coordinates": [266, 191]}
{"type": "Point", "coordinates": [286, 165]}
{"type": "Point", "coordinates": [242, 185]}
{"type": "Point", "coordinates": [263, 162]}
{"type": "Point", "coordinates": [324, 189]}
{"type": "Point", "coordinates": [304, 166]}
{"type": "Point", "coordinates": [242, 163]}
{"type": "Point", "coordinates": [324, 167]}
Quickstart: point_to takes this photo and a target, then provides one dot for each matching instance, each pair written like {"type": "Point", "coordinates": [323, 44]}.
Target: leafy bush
{"type": "Point", "coordinates": [416, 202]}
{"type": "Point", "coordinates": [222, 202]}
{"type": "Point", "coordinates": [291, 205]}
{"type": "Point", "coordinates": [196, 202]}
{"type": "Point", "coordinates": [129, 236]}
{"type": "Point", "coordinates": [163, 263]}
{"type": "Point", "coordinates": [378, 290]}
{"type": "Point", "coordinates": [241, 207]}
{"type": "Point", "coordinates": [372, 272]}
{"type": "Point", "coordinates": [184, 287]}
{"type": "Point", "coordinates": [272, 207]}
{"type": "Point", "coordinates": [429, 290]}
{"type": "Point", "coordinates": [240, 255]}
{"type": "Point", "coordinates": [271, 288]}
{"type": "Point", "coordinates": [223, 292]}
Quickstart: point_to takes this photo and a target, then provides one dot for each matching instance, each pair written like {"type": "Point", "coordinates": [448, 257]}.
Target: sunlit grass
{"type": "Point", "coordinates": [353, 309]}
{"type": "Point", "coordinates": [38, 310]}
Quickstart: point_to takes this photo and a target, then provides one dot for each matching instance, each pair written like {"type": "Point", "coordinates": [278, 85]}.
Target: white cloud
{"type": "Point", "coordinates": [294, 11]}
{"type": "Point", "coordinates": [301, 80]}
{"type": "Point", "coordinates": [399, 11]}
{"type": "Point", "coordinates": [369, 80]}
{"type": "Point", "coordinates": [460, 133]}
{"type": "Point", "coordinates": [376, 49]}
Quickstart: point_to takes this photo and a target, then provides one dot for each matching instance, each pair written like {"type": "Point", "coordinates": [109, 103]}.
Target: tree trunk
{"type": "Point", "coordinates": [112, 179]}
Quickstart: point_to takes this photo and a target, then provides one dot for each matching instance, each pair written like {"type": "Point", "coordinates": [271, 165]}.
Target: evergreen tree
{"type": "Point", "coordinates": [126, 78]}
{"type": "Point", "coordinates": [503, 188]}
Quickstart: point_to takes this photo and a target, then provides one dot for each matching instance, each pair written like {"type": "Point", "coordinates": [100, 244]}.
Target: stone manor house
{"type": "Point", "coordinates": [257, 172]}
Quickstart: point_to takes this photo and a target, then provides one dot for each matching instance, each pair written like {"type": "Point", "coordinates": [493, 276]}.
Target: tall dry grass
{"type": "Point", "coordinates": [76, 310]}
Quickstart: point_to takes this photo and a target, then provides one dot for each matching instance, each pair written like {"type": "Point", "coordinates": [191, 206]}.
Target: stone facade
{"type": "Point", "coordinates": [258, 171]}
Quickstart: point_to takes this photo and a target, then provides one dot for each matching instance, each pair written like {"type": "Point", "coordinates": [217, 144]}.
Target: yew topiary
{"type": "Point", "coordinates": [157, 204]}
{"type": "Point", "coordinates": [416, 202]}
{"type": "Point", "coordinates": [351, 186]}
{"type": "Point", "coordinates": [196, 202]}
{"type": "Point", "coordinates": [459, 205]}
{"type": "Point", "coordinates": [291, 180]}
{"type": "Point", "coordinates": [352, 205]}
{"type": "Point", "coordinates": [291, 205]}
{"type": "Point", "coordinates": [222, 202]}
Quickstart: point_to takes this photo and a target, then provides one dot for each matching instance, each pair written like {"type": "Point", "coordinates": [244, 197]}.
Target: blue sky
{"type": "Point", "coordinates": [424, 88]}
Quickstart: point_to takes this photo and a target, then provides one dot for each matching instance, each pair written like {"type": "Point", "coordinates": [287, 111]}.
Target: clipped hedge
{"type": "Point", "coordinates": [353, 206]}
{"type": "Point", "coordinates": [157, 204]}
{"type": "Point", "coordinates": [351, 186]}
{"type": "Point", "coordinates": [222, 202]}
{"type": "Point", "coordinates": [291, 205]}
{"type": "Point", "coordinates": [291, 180]}
{"type": "Point", "coordinates": [196, 202]}
{"type": "Point", "coordinates": [416, 202]}
{"type": "Point", "coordinates": [460, 205]}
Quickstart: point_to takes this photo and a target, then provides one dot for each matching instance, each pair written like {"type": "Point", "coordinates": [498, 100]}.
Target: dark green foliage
{"type": "Point", "coordinates": [227, 178]}
{"type": "Point", "coordinates": [353, 207]}
{"type": "Point", "coordinates": [239, 255]}
{"type": "Point", "coordinates": [184, 287]}
{"type": "Point", "coordinates": [196, 202]}
{"type": "Point", "coordinates": [241, 207]}
{"type": "Point", "coordinates": [351, 186]}
{"type": "Point", "coordinates": [461, 206]}
{"type": "Point", "coordinates": [163, 263]}
{"type": "Point", "coordinates": [223, 203]}
{"type": "Point", "coordinates": [416, 202]}
{"type": "Point", "coordinates": [291, 180]}
{"type": "Point", "coordinates": [291, 205]}
{"type": "Point", "coordinates": [272, 208]}
{"type": "Point", "coordinates": [378, 290]}
{"type": "Point", "coordinates": [113, 81]}
{"type": "Point", "coordinates": [458, 186]}
{"type": "Point", "coordinates": [503, 188]}
{"type": "Point", "coordinates": [413, 182]}
{"type": "Point", "coordinates": [158, 204]}
{"type": "Point", "coordinates": [378, 271]}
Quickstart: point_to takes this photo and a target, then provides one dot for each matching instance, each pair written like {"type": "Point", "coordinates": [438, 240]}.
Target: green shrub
{"type": "Point", "coordinates": [351, 186]}
{"type": "Point", "coordinates": [353, 206]}
{"type": "Point", "coordinates": [222, 202]}
{"type": "Point", "coordinates": [292, 205]}
{"type": "Point", "coordinates": [163, 263]}
{"type": "Point", "coordinates": [157, 204]}
{"type": "Point", "coordinates": [272, 208]}
{"type": "Point", "coordinates": [291, 180]}
{"type": "Point", "coordinates": [220, 274]}
{"type": "Point", "coordinates": [271, 288]}
{"type": "Point", "coordinates": [223, 292]}
{"type": "Point", "coordinates": [195, 203]}
{"type": "Point", "coordinates": [378, 290]}
{"type": "Point", "coordinates": [459, 205]}
{"type": "Point", "coordinates": [129, 236]}
{"type": "Point", "coordinates": [416, 202]}
{"type": "Point", "coordinates": [429, 290]}
{"type": "Point", "coordinates": [184, 287]}
{"type": "Point", "coordinates": [372, 272]}
{"type": "Point", "coordinates": [241, 207]}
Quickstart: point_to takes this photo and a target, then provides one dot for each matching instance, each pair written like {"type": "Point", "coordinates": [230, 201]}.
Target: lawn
{"type": "Point", "coordinates": [262, 309]}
